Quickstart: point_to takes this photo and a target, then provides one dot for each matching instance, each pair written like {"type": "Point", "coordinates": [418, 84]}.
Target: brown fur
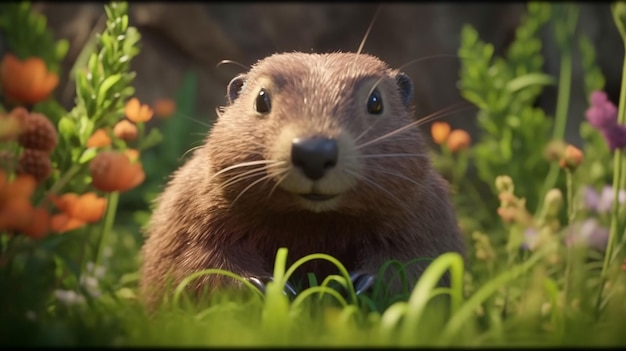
{"type": "Point", "coordinates": [196, 225]}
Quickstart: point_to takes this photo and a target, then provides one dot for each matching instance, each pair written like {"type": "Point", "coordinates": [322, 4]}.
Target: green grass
{"type": "Point", "coordinates": [519, 306]}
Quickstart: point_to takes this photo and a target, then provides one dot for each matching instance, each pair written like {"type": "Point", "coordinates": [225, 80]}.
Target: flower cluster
{"type": "Point", "coordinates": [119, 171]}
{"type": "Point", "coordinates": [126, 128]}
{"type": "Point", "coordinates": [456, 140]}
{"type": "Point", "coordinates": [512, 209]}
{"type": "Point", "coordinates": [19, 215]}
{"type": "Point", "coordinates": [37, 136]}
{"type": "Point", "coordinates": [602, 115]}
{"type": "Point", "coordinates": [601, 202]}
{"type": "Point", "coordinates": [77, 210]}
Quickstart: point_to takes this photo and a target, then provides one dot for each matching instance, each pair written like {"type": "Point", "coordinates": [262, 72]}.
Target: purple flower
{"type": "Point", "coordinates": [589, 233]}
{"type": "Point", "coordinates": [602, 114]}
{"type": "Point", "coordinates": [615, 136]}
{"type": "Point", "coordinates": [602, 202]}
{"type": "Point", "coordinates": [530, 238]}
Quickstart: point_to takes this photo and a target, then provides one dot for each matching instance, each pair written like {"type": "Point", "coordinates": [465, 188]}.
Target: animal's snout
{"type": "Point", "coordinates": [314, 155]}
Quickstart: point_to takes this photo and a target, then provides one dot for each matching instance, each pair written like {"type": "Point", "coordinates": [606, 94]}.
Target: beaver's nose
{"type": "Point", "coordinates": [314, 155]}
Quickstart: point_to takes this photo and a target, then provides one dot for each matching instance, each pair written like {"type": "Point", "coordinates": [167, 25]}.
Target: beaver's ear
{"type": "Point", "coordinates": [406, 88]}
{"type": "Point", "coordinates": [234, 87]}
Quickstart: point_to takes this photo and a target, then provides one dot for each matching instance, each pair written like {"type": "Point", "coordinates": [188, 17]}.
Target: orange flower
{"type": "Point", "coordinates": [62, 222]}
{"type": "Point", "coordinates": [164, 108]}
{"type": "Point", "coordinates": [440, 132]}
{"type": "Point", "coordinates": [125, 130]}
{"type": "Point", "coordinates": [572, 157]}
{"type": "Point", "coordinates": [112, 171]}
{"type": "Point", "coordinates": [26, 81]}
{"type": "Point", "coordinates": [458, 140]}
{"type": "Point", "coordinates": [39, 224]}
{"type": "Point", "coordinates": [87, 207]}
{"type": "Point", "coordinates": [624, 265]}
{"type": "Point", "coordinates": [136, 112]}
{"type": "Point", "coordinates": [100, 138]}
{"type": "Point", "coordinates": [23, 186]}
{"type": "Point", "coordinates": [17, 212]}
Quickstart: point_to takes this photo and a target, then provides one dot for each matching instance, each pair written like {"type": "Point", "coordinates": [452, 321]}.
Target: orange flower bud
{"type": "Point", "coordinates": [164, 108]}
{"type": "Point", "coordinates": [26, 81]}
{"type": "Point", "coordinates": [572, 157]}
{"type": "Point", "coordinates": [440, 132]}
{"type": "Point", "coordinates": [100, 138]}
{"type": "Point", "coordinates": [136, 112]}
{"type": "Point", "coordinates": [458, 140]}
{"type": "Point", "coordinates": [125, 130]}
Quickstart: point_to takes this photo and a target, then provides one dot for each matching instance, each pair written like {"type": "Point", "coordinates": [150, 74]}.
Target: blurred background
{"type": "Point", "coordinates": [182, 43]}
{"type": "Point", "coordinates": [181, 37]}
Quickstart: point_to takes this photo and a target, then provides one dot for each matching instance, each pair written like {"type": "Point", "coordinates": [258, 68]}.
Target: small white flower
{"type": "Point", "coordinates": [99, 271]}
{"type": "Point", "coordinates": [69, 297]}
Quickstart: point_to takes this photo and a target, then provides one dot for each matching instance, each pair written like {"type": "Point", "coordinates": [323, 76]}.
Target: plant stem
{"type": "Point", "coordinates": [571, 213]}
{"type": "Point", "coordinates": [617, 185]}
{"type": "Point", "coordinates": [64, 179]}
{"type": "Point", "coordinates": [108, 224]}
{"type": "Point", "coordinates": [562, 102]}
{"type": "Point", "coordinates": [571, 209]}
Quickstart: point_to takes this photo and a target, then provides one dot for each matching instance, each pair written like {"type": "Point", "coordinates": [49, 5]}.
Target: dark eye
{"type": "Point", "coordinates": [375, 103]}
{"type": "Point", "coordinates": [262, 103]}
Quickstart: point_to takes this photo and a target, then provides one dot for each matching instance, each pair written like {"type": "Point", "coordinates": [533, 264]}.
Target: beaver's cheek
{"type": "Point", "coordinates": [315, 164]}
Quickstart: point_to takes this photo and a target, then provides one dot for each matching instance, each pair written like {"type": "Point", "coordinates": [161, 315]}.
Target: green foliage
{"type": "Point", "coordinates": [505, 90]}
{"type": "Point", "coordinates": [103, 88]}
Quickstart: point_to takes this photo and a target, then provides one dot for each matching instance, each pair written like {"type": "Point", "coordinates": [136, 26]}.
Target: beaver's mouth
{"type": "Point", "coordinates": [318, 197]}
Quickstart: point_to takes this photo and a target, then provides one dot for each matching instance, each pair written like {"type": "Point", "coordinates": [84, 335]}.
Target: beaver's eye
{"type": "Point", "coordinates": [262, 103]}
{"type": "Point", "coordinates": [375, 103]}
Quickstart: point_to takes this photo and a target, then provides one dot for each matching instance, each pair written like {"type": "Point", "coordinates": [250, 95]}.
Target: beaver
{"type": "Point", "coordinates": [314, 152]}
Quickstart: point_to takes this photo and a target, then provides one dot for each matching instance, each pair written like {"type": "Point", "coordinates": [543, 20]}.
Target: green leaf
{"type": "Point", "coordinates": [474, 98]}
{"type": "Point", "coordinates": [61, 48]}
{"type": "Point", "coordinates": [530, 79]}
{"type": "Point", "coordinates": [67, 126]}
{"type": "Point", "coordinates": [106, 85]}
{"type": "Point", "coordinates": [88, 155]}
{"type": "Point", "coordinates": [92, 64]}
{"type": "Point", "coordinates": [153, 138]}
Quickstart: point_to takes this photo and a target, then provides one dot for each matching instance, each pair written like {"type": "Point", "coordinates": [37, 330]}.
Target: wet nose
{"type": "Point", "coordinates": [314, 155]}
